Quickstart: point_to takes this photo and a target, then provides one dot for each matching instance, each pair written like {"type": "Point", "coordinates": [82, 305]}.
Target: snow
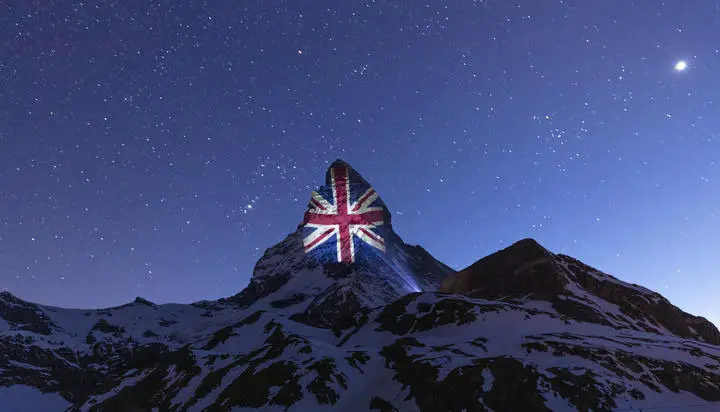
{"type": "Point", "coordinates": [172, 376]}
{"type": "Point", "coordinates": [25, 365]}
{"type": "Point", "coordinates": [604, 307]}
{"type": "Point", "coordinates": [186, 393]}
{"type": "Point", "coordinates": [187, 324]}
{"type": "Point", "coordinates": [508, 329]}
{"type": "Point", "coordinates": [557, 403]}
{"type": "Point", "coordinates": [130, 381]}
{"type": "Point", "coordinates": [563, 261]}
{"type": "Point", "coordinates": [446, 362]}
{"type": "Point", "coordinates": [666, 401]}
{"type": "Point", "coordinates": [488, 379]}
{"type": "Point", "coordinates": [210, 398]}
{"type": "Point", "coordinates": [23, 398]}
{"type": "Point", "coordinates": [373, 382]}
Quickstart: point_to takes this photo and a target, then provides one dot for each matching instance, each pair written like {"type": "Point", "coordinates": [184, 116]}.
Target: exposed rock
{"type": "Point", "coordinates": [642, 303]}
{"type": "Point", "coordinates": [527, 271]}
{"type": "Point", "coordinates": [524, 269]}
{"type": "Point", "coordinates": [23, 315]}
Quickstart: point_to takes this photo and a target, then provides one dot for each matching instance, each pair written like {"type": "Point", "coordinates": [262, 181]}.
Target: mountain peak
{"type": "Point", "coordinates": [340, 161]}
{"type": "Point", "coordinates": [526, 272]}
{"type": "Point", "coordinates": [344, 254]}
{"type": "Point", "coordinates": [142, 301]}
{"type": "Point", "coordinates": [506, 264]}
{"type": "Point", "coordinates": [346, 220]}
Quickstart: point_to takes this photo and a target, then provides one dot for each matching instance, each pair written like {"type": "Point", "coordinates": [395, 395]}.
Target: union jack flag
{"type": "Point", "coordinates": [337, 216]}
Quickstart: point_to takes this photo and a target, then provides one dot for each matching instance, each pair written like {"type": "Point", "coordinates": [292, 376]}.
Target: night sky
{"type": "Point", "coordinates": [156, 149]}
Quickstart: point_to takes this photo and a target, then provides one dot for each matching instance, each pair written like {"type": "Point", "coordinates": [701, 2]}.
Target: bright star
{"type": "Point", "coordinates": [681, 66]}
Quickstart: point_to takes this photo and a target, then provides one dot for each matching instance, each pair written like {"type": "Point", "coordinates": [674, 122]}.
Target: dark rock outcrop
{"type": "Point", "coordinates": [526, 271]}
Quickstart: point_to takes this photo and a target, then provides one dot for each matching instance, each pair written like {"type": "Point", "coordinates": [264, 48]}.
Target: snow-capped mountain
{"type": "Point", "coordinates": [343, 315]}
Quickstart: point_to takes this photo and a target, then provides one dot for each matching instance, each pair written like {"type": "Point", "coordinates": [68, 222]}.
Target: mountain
{"type": "Point", "coordinates": [343, 315]}
{"type": "Point", "coordinates": [331, 290]}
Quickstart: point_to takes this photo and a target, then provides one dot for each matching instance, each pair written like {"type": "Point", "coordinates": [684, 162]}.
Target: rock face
{"type": "Point", "coordinates": [528, 272]}
{"type": "Point", "coordinates": [525, 269]}
{"type": "Point", "coordinates": [520, 330]}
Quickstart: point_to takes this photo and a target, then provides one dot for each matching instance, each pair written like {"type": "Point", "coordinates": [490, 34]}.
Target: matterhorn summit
{"type": "Point", "coordinates": [343, 315]}
{"type": "Point", "coordinates": [344, 255]}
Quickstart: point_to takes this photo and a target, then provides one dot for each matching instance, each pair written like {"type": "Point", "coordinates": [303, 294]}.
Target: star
{"type": "Point", "coordinates": [681, 66]}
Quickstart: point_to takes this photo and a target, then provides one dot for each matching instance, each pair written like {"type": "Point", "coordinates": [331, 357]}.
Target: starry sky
{"type": "Point", "coordinates": [157, 148]}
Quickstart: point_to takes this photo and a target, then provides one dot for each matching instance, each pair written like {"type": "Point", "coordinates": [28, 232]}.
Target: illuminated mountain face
{"type": "Point", "coordinates": [347, 228]}
{"type": "Point", "coordinates": [346, 220]}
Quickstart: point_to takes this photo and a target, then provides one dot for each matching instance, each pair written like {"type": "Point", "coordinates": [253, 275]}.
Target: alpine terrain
{"type": "Point", "coordinates": [343, 315]}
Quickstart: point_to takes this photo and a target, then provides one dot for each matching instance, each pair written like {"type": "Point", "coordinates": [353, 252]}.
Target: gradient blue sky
{"type": "Point", "coordinates": [157, 148]}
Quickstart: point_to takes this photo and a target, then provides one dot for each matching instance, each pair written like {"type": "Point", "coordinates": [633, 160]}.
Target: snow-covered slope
{"type": "Point", "coordinates": [520, 330]}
